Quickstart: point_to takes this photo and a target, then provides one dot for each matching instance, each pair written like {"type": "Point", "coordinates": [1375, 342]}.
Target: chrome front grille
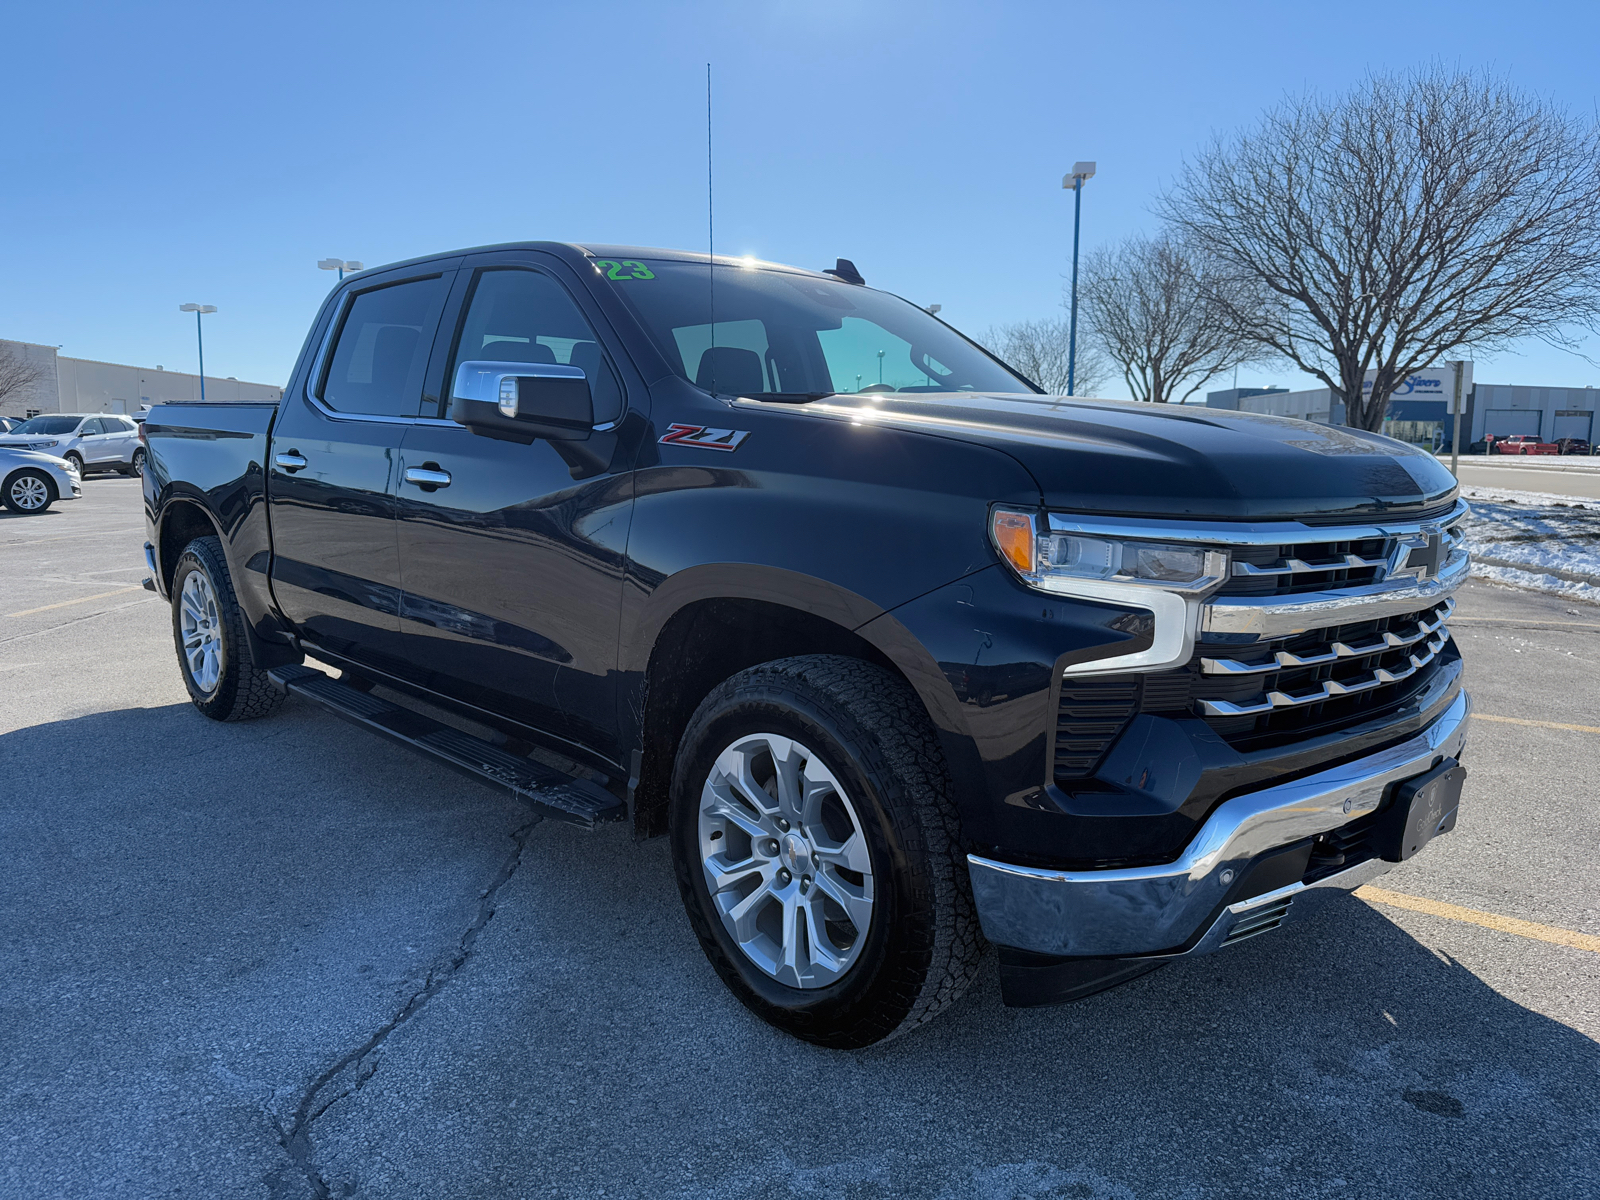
{"type": "Point", "coordinates": [1315, 628]}
{"type": "Point", "coordinates": [1372, 659]}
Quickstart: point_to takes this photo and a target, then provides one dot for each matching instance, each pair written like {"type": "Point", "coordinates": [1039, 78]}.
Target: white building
{"type": "Point", "coordinates": [83, 385]}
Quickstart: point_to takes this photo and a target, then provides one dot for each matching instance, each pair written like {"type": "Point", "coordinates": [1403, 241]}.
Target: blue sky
{"type": "Point", "coordinates": [155, 154]}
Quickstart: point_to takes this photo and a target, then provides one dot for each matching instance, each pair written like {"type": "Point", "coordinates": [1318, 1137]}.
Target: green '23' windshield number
{"type": "Point", "coordinates": [626, 269]}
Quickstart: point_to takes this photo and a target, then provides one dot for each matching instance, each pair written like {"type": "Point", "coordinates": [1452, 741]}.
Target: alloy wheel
{"type": "Point", "coordinates": [785, 860]}
{"type": "Point", "coordinates": [29, 493]}
{"type": "Point", "coordinates": [200, 625]}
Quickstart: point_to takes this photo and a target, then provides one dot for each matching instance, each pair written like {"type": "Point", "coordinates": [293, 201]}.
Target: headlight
{"type": "Point", "coordinates": [1056, 561]}
{"type": "Point", "coordinates": [43, 445]}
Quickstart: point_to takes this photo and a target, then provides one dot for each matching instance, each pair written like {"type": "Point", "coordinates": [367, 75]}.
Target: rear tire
{"type": "Point", "coordinates": [208, 631]}
{"type": "Point", "coordinates": [859, 752]}
{"type": "Point", "coordinates": [29, 492]}
{"type": "Point", "coordinates": [136, 464]}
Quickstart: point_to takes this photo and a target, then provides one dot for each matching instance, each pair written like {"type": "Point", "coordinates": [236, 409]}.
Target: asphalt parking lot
{"type": "Point", "coordinates": [283, 959]}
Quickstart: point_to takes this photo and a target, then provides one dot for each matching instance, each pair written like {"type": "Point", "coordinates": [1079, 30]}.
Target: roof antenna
{"type": "Point", "coordinates": [711, 242]}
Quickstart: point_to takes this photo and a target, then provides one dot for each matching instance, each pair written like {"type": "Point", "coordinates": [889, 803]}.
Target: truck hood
{"type": "Point", "coordinates": [1129, 459]}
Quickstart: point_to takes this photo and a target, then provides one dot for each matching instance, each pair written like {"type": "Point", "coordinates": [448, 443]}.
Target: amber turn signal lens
{"type": "Point", "coordinates": [1013, 537]}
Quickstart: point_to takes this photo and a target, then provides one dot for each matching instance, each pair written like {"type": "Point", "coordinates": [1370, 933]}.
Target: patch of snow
{"type": "Point", "coordinates": [1540, 531]}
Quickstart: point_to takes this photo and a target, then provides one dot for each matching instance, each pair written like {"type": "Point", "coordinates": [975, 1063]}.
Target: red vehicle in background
{"type": "Point", "coordinates": [1522, 443]}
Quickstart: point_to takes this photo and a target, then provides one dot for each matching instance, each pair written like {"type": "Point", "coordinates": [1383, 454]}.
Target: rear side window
{"type": "Point", "coordinates": [382, 352]}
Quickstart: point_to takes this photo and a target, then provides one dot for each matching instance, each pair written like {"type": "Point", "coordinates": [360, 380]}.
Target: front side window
{"type": "Point", "coordinates": [524, 316]}
{"type": "Point", "coordinates": [381, 356]}
{"type": "Point", "coordinates": [91, 427]}
{"type": "Point", "coordinates": [783, 331]}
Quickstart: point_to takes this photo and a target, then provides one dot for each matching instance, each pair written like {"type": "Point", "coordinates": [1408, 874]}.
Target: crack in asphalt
{"type": "Point", "coordinates": [296, 1139]}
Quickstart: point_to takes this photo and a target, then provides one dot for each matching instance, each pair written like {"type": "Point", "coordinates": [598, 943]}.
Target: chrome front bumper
{"type": "Point", "coordinates": [1158, 910]}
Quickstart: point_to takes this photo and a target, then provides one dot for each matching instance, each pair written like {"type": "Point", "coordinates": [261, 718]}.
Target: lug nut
{"type": "Point", "coordinates": [783, 875]}
{"type": "Point", "coordinates": [805, 883]}
{"type": "Point", "coordinates": [771, 847]}
{"type": "Point", "coordinates": [783, 825]}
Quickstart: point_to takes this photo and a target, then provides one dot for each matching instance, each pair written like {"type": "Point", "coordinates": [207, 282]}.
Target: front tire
{"type": "Point", "coordinates": [817, 848]}
{"type": "Point", "coordinates": [208, 631]}
{"type": "Point", "coordinates": [76, 459]}
{"type": "Point", "coordinates": [29, 492]}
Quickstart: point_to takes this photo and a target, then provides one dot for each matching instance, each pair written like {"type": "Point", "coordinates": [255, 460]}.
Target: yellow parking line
{"type": "Point", "coordinates": [28, 612]}
{"type": "Point", "coordinates": [1537, 724]}
{"type": "Point", "coordinates": [1471, 916]}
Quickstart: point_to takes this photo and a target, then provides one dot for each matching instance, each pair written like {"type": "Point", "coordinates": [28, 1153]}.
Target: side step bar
{"type": "Point", "coordinates": [555, 795]}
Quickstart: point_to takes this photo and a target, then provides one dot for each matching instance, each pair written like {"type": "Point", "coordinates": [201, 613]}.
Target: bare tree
{"type": "Point", "coordinates": [1039, 350]}
{"type": "Point", "coordinates": [17, 374]}
{"type": "Point", "coordinates": [1417, 217]}
{"type": "Point", "coordinates": [1152, 303]}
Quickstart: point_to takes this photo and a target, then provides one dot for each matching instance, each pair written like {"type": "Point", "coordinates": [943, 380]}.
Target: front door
{"type": "Point", "coordinates": [332, 464]}
{"type": "Point", "coordinates": [512, 570]}
{"type": "Point", "coordinates": [97, 447]}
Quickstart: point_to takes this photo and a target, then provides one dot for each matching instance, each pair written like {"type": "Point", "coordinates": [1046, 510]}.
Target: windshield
{"type": "Point", "coordinates": [781, 332]}
{"type": "Point", "coordinates": [53, 425]}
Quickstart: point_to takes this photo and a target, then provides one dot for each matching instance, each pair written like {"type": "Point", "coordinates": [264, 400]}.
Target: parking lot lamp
{"type": "Point", "coordinates": [1081, 173]}
{"type": "Point", "coordinates": [339, 265]}
{"type": "Point", "coordinates": [198, 310]}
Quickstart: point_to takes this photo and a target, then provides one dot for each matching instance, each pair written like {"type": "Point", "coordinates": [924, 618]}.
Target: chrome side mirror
{"type": "Point", "coordinates": [522, 401]}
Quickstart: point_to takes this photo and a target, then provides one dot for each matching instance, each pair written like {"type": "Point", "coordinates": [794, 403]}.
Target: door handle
{"type": "Point", "coordinates": [291, 461]}
{"type": "Point", "coordinates": [428, 477]}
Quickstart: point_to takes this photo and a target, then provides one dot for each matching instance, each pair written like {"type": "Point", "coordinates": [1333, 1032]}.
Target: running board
{"type": "Point", "coordinates": [555, 795]}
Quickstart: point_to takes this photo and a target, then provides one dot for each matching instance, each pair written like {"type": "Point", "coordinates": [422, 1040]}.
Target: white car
{"type": "Point", "coordinates": [31, 481]}
{"type": "Point", "coordinates": [91, 441]}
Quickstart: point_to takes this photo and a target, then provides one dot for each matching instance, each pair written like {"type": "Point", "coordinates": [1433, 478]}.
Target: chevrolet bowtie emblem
{"type": "Point", "coordinates": [1418, 555]}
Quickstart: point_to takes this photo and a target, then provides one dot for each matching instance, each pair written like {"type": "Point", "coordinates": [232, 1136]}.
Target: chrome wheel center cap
{"type": "Point", "coordinates": [795, 853]}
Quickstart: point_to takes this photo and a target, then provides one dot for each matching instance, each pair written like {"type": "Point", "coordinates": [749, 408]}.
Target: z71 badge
{"type": "Point", "coordinates": [706, 439]}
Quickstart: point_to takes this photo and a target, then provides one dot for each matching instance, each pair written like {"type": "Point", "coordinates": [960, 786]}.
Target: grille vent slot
{"type": "Point", "coordinates": [1091, 714]}
{"type": "Point", "coordinates": [1258, 921]}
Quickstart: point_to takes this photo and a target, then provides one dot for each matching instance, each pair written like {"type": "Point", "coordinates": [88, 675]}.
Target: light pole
{"type": "Point", "coordinates": [1081, 173]}
{"type": "Point", "coordinates": [339, 265]}
{"type": "Point", "coordinates": [880, 368]}
{"type": "Point", "coordinates": [200, 341]}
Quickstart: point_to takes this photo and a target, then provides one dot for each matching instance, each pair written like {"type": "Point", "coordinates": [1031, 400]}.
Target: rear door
{"type": "Point", "coordinates": [121, 438]}
{"type": "Point", "coordinates": [332, 466]}
{"type": "Point", "coordinates": [512, 569]}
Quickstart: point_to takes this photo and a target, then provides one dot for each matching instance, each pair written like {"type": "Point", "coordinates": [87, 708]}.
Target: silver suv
{"type": "Point", "coordinates": [89, 441]}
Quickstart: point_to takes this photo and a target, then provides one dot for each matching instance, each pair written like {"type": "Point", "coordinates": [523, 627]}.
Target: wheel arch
{"type": "Point", "coordinates": [709, 623]}
{"type": "Point", "coordinates": [183, 520]}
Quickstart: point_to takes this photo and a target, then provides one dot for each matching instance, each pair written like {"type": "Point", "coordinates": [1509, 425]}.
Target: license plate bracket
{"type": "Point", "coordinates": [1424, 806]}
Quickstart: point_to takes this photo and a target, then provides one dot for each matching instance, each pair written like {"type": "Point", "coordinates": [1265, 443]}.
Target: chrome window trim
{"type": "Point", "coordinates": [1244, 533]}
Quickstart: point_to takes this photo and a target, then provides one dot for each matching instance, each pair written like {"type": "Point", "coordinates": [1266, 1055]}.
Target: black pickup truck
{"type": "Point", "coordinates": [905, 657]}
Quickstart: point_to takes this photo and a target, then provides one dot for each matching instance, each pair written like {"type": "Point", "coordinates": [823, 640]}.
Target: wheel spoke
{"type": "Point", "coordinates": [734, 813]}
{"type": "Point", "coordinates": [793, 965]}
{"type": "Point", "coordinates": [857, 903]}
{"type": "Point", "coordinates": [791, 785]}
{"type": "Point", "coordinates": [743, 778]}
{"type": "Point", "coordinates": [742, 916]}
{"type": "Point", "coordinates": [724, 874]}
{"type": "Point", "coordinates": [823, 952]}
{"type": "Point", "coordinates": [851, 854]}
